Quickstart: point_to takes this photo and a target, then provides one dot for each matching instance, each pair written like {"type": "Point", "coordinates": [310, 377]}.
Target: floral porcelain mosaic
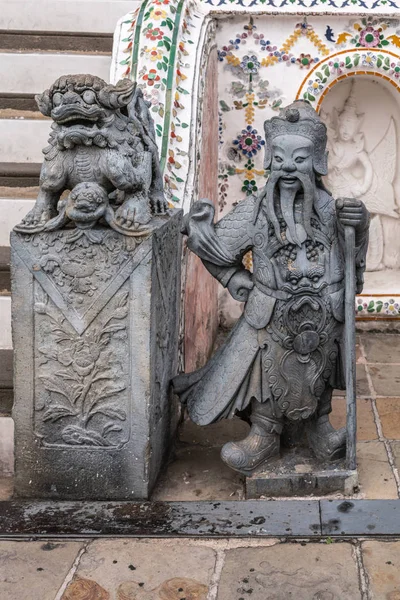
{"type": "Point", "coordinates": [266, 61]}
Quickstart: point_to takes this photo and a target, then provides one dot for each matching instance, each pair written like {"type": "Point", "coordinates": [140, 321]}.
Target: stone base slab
{"type": "Point", "coordinates": [298, 473]}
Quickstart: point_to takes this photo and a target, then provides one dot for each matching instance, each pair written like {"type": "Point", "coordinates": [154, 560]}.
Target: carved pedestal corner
{"type": "Point", "coordinates": [95, 333]}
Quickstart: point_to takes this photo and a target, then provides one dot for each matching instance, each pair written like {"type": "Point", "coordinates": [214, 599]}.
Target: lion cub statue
{"type": "Point", "coordinates": [101, 135]}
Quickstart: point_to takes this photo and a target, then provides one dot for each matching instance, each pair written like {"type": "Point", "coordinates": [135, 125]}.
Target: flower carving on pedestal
{"type": "Point", "coordinates": [81, 375]}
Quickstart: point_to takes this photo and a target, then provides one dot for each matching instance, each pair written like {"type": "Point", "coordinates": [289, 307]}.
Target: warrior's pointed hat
{"type": "Point", "coordinates": [299, 118]}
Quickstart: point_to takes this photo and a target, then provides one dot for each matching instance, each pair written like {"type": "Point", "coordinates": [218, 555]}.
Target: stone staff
{"type": "Point", "coordinates": [350, 346]}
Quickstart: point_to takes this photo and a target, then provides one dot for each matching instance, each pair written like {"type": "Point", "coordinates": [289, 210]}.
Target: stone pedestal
{"type": "Point", "coordinates": [298, 473]}
{"type": "Point", "coordinates": [95, 333]}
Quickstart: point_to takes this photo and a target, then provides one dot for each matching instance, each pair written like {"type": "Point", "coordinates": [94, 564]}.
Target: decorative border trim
{"type": "Point", "coordinates": [348, 63]}
{"type": "Point", "coordinates": [384, 307]}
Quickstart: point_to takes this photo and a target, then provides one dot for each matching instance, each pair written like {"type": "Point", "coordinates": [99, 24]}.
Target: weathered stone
{"type": "Point", "coordinates": [302, 572]}
{"type": "Point", "coordinates": [102, 137]}
{"type": "Point", "coordinates": [34, 570]}
{"type": "Point", "coordinates": [284, 356]}
{"type": "Point", "coordinates": [382, 563]}
{"type": "Point", "coordinates": [297, 472]}
{"type": "Point", "coordinates": [95, 317]}
{"type": "Point", "coordinates": [375, 474]}
{"type": "Point", "coordinates": [389, 415]}
{"type": "Point", "coordinates": [366, 428]}
{"type": "Point", "coordinates": [148, 570]}
{"type": "Point", "coordinates": [381, 348]}
{"type": "Point", "coordinates": [385, 379]}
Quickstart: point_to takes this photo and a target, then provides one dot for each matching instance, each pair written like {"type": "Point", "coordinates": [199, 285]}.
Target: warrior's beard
{"type": "Point", "coordinates": [285, 197]}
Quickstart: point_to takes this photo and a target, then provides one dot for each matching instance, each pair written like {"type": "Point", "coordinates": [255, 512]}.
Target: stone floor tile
{"type": "Point", "coordinates": [216, 434]}
{"type": "Point", "coordinates": [366, 428]}
{"type": "Point", "coordinates": [389, 414]}
{"type": "Point", "coordinates": [375, 474]}
{"type": "Point", "coordinates": [143, 570]}
{"type": "Point", "coordinates": [290, 571]}
{"type": "Point", "coordinates": [381, 347]}
{"type": "Point", "coordinates": [382, 562]}
{"type": "Point", "coordinates": [363, 388]}
{"type": "Point", "coordinates": [386, 379]}
{"type": "Point", "coordinates": [198, 473]}
{"type": "Point", "coordinates": [359, 354]}
{"type": "Point", "coordinates": [34, 570]}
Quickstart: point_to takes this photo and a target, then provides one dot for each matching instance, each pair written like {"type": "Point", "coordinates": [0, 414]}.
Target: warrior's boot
{"type": "Point", "coordinates": [262, 442]}
{"type": "Point", "coordinates": [326, 442]}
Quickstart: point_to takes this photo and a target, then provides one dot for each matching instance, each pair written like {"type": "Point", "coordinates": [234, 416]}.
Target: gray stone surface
{"type": "Point", "coordinates": [34, 570]}
{"type": "Point", "coordinates": [295, 341]}
{"type": "Point", "coordinates": [257, 518]}
{"type": "Point", "coordinates": [290, 571]}
{"type": "Point", "coordinates": [298, 473]}
{"type": "Point", "coordinates": [360, 517]}
{"type": "Point", "coordinates": [102, 136]}
{"type": "Point", "coordinates": [95, 333]}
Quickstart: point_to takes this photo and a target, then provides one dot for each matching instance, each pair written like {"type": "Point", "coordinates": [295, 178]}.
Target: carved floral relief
{"type": "Point", "coordinates": [81, 380]}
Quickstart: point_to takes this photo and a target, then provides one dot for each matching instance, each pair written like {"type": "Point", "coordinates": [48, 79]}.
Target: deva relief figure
{"type": "Point", "coordinates": [368, 176]}
{"type": "Point", "coordinates": [102, 136]}
{"type": "Point", "coordinates": [285, 355]}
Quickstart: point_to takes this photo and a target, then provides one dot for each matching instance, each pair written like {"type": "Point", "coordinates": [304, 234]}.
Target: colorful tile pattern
{"type": "Point", "coordinates": [162, 48]}
{"type": "Point", "coordinates": [378, 306]}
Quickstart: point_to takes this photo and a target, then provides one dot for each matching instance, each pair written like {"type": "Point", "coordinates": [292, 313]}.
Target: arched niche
{"type": "Point", "coordinates": [362, 113]}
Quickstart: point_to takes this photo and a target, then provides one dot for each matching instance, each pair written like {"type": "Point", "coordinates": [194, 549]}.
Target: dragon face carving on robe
{"type": "Point", "coordinates": [101, 134]}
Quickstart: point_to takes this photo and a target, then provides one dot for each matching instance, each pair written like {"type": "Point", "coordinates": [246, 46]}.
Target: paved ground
{"type": "Point", "coordinates": [185, 569]}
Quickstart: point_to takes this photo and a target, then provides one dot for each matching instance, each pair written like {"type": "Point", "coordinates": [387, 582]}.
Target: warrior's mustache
{"type": "Point", "coordinates": [284, 198]}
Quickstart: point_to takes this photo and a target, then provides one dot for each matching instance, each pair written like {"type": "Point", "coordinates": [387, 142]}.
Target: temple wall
{"type": "Point", "coordinates": [201, 291]}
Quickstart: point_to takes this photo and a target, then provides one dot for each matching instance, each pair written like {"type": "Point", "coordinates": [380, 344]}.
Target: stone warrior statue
{"type": "Point", "coordinates": [284, 356]}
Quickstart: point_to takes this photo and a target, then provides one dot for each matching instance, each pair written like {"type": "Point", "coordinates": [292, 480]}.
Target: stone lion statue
{"type": "Point", "coordinates": [102, 134]}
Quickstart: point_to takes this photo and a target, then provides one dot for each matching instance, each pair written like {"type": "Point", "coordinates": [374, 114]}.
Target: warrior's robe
{"type": "Point", "coordinates": [286, 349]}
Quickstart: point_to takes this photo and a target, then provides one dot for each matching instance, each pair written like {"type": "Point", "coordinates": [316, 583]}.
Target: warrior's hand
{"type": "Point", "coordinates": [352, 212]}
{"type": "Point", "coordinates": [240, 285]}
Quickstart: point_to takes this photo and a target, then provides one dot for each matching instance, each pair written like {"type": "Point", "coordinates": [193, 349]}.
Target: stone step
{"type": "Point", "coordinates": [12, 211]}
{"type": "Point", "coordinates": [32, 73]}
{"type": "Point", "coordinates": [23, 140]}
{"type": "Point", "coordinates": [26, 41]}
{"type": "Point", "coordinates": [5, 322]}
{"type": "Point", "coordinates": [95, 16]}
{"type": "Point", "coordinates": [18, 177]}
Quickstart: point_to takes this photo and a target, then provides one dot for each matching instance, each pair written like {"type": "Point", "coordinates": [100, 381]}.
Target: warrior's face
{"type": "Point", "coordinates": [292, 155]}
{"type": "Point", "coordinates": [291, 186]}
